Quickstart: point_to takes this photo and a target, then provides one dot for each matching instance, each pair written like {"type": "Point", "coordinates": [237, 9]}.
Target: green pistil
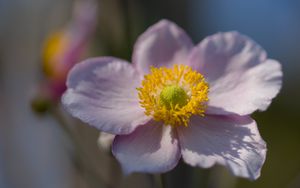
{"type": "Point", "coordinates": [173, 95]}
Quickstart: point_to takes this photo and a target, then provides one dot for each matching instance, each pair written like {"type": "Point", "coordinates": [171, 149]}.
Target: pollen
{"type": "Point", "coordinates": [173, 95]}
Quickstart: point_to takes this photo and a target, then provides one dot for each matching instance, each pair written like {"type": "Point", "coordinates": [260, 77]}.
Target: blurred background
{"type": "Point", "coordinates": [35, 151]}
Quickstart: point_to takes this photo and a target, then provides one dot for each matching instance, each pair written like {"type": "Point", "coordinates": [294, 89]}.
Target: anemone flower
{"type": "Point", "coordinates": [179, 100]}
{"type": "Point", "coordinates": [65, 47]}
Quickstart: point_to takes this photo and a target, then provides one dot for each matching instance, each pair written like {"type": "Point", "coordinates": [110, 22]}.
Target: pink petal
{"type": "Point", "coordinates": [102, 92]}
{"type": "Point", "coordinates": [230, 141]}
{"type": "Point", "coordinates": [241, 79]}
{"type": "Point", "coordinates": [150, 148]}
{"type": "Point", "coordinates": [243, 94]}
{"type": "Point", "coordinates": [163, 44]}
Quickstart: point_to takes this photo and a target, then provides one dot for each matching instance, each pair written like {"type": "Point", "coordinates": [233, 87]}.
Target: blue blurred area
{"type": "Point", "coordinates": [273, 24]}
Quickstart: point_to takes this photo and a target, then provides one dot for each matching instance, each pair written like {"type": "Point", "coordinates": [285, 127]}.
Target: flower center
{"type": "Point", "coordinates": [173, 95]}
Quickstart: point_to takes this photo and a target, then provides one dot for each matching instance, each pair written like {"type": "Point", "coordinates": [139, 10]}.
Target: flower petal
{"type": "Point", "coordinates": [102, 92]}
{"type": "Point", "coordinates": [241, 79]}
{"type": "Point", "coordinates": [244, 93]}
{"type": "Point", "coordinates": [105, 141]}
{"type": "Point", "coordinates": [163, 44]}
{"type": "Point", "coordinates": [233, 141]}
{"type": "Point", "coordinates": [150, 148]}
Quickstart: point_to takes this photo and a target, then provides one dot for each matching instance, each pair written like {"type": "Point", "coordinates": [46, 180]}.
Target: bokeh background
{"type": "Point", "coordinates": [35, 152]}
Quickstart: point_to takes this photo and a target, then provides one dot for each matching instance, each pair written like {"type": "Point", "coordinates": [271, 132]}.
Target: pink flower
{"type": "Point", "coordinates": [193, 103]}
{"type": "Point", "coordinates": [66, 47]}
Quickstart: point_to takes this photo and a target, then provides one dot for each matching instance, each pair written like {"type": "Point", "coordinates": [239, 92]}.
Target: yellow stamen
{"type": "Point", "coordinates": [54, 48]}
{"type": "Point", "coordinates": [173, 95]}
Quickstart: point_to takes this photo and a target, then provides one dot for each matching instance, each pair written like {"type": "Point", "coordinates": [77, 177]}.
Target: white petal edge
{"type": "Point", "coordinates": [233, 141]}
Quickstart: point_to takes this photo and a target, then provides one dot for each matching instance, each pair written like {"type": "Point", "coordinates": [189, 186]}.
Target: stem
{"type": "Point", "coordinates": [164, 180]}
{"type": "Point", "coordinates": [153, 181]}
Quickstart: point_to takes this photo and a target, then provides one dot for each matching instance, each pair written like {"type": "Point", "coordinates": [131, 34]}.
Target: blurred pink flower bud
{"type": "Point", "coordinates": [65, 48]}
